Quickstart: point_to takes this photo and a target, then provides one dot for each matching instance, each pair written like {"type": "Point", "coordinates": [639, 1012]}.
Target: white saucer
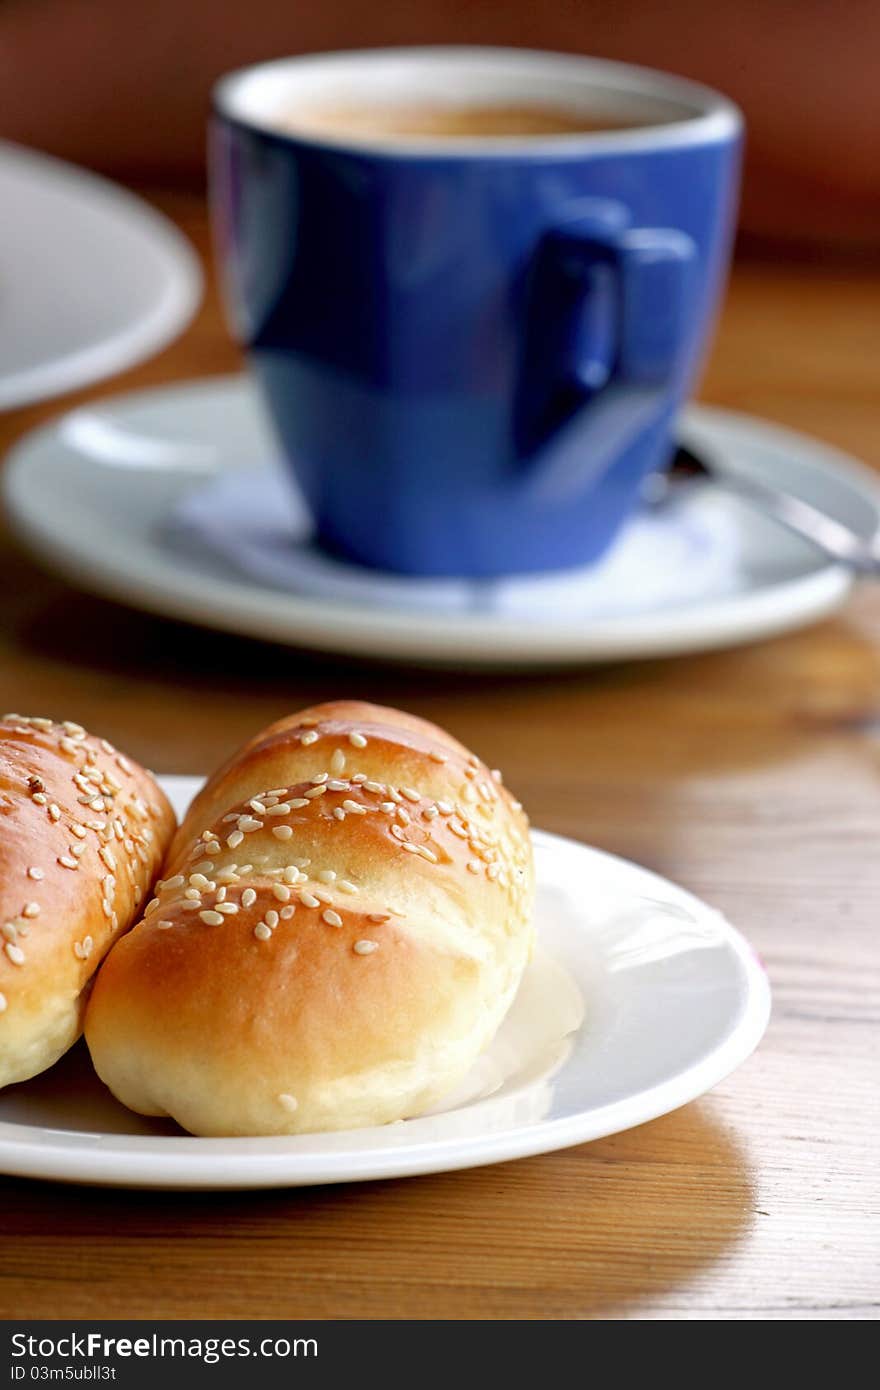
{"type": "Point", "coordinates": [93, 494]}
{"type": "Point", "coordinates": [92, 280]}
{"type": "Point", "coordinates": [639, 999]}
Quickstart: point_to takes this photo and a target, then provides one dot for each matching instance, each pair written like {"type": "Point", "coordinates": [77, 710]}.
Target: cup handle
{"type": "Point", "coordinates": [607, 329]}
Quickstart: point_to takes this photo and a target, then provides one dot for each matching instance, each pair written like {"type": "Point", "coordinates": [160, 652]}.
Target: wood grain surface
{"type": "Point", "coordinates": [751, 777]}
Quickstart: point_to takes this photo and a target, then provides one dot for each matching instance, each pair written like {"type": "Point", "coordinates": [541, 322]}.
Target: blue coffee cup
{"type": "Point", "coordinates": [473, 346]}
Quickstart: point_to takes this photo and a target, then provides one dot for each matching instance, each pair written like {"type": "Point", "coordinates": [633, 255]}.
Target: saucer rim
{"type": "Point", "coordinates": [244, 607]}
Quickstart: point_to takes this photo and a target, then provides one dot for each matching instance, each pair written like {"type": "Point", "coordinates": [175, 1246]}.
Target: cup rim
{"type": "Point", "coordinates": [712, 118]}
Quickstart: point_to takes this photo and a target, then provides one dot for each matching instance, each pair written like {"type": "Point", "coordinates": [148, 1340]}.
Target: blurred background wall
{"type": "Point", "coordinates": [123, 86]}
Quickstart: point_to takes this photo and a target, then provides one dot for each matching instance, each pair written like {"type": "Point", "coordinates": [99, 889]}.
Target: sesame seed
{"type": "Point", "coordinates": [337, 761]}
{"type": "Point", "coordinates": [35, 873]}
{"type": "Point", "coordinates": [309, 900]}
{"type": "Point", "coordinates": [493, 871]}
{"type": "Point", "coordinates": [9, 930]}
{"type": "Point", "coordinates": [211, 918]}
{"type": "Point", "coordinates": [248, 824]}
{"type": "Point", "coordinates": [276, 792]}
{"type": "Point", "coordinates": [377, 788]}
{"type": "Point", "coordinates": [262, 932]}
{"type": "Point", "coordinates": [354, 806]}
{"type": "Point", "coordinates": [345, 885]}
{"type": "Point", "coordinates": [245, 869]}
{"type": "Point", "coordinates": [308, 737]}
{"type": "Point", "coordinates": [70, 727]}
{"type": "Point", "coordinates": [257, 806]}
{"type": "Point", "coordinates": [388, 807]}
{"type": "Point", "coordinates": [164, 924]}
{"type": "Point", "coordinates": [319, 778]}
{"type": "Point", "coordinates": [151, 906]}
{"type": "Point", "coordinates": [176, 882]}
{"type": "Point", "coordinates": [221, 895]}
{"type": "Point", "coordinates": [379, 917]}
{"type": "Point", "coordinates": [326, 875]}
{"type": "Point", "coordinates": [359, 779]}
{"type": "Point", "coordinates": [470, 772]}
{"type": "Point", "coordinates": [67, 745]}
{"type": "Point", "coordinates": [458, 829]}
{"type": "Point", "coordinates": [193, 894]}
{"type": "Point", "coordinates": [235, 839]}
{"type": "Point", "coordinates": [296, 805]}
{"type": "Point", "coordinates": [15, 953]}
{"type": "Point", "coordinates": [198, 881]}
{"type": "Point", "coordinates": [403, 815]}
{"type": "Point", "coordinates": [438, 758]}
{"type": "Point", "coordinates": [227, 909]}
{"type": "Point", "coordinates": [289, 1102]}
{"type": "Point", "coordinates": [106, 907]}
{"type": "Point", "coordinates": [191, 906]}
{"type": "Point", "coordinates": [444, 808]}
{"type": "Point", "coordinates": [411, 849]}
{"type": "Point", "coordinates": [316, 791]}
{"type": "Point", "coordinates": [212, 847]}
{"type": "Point", "coordinates": [337, 785]}
{"type": "Point", "coordinates": [54, 811]}
{"type": "Point", "coordinates": [281, 808]}
{"type": "Point", "coordinates": [281, 892]}
{"type": "Point", "coordinates": [41, 798]}
{"type": "Point", "coordinates": [302, 863]}
{"type": "Point", "coordinates": [248, 897]}
{"type": "Point", "coordinates": [3, 1005]}
{"type": "Point", "coordinates": [430, 812]}
{"type": "Point", "coordinates": [87, 947]}
{"type": "Point", "coordinates": [227, 820]}
{"type": "Point", "coordinates": [365, 947]}
{"type": "Point", "coordinates": [66, 861]}
{"type": "Point", "coordinates": [109, 885]}
{"type": "Point", "coordinates": [398, 832]}
{"type": "Point", "coordinates": [516, 805]}
{"type": "Point", "coordinates": [287, 912]}
{"type": "Point", "coordinates": [332, 918]}
{"type": "Point", "coordinates": [395, 795]}
{"type": "Point", "coordinates": [292, 874]}
{"type": "Point", "coordinates": [474, 866]}
{"type": "Point", "coordinates": [357, 740]}
{"type": "Point", "coordinates": [339, 813]}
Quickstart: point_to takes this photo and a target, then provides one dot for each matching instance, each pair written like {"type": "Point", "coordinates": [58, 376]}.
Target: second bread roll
{"type": "Point", "coordinates": [344, 920]}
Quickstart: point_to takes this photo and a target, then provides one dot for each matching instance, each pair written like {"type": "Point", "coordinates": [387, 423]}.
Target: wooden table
{"type": "Point", "coordinates": [750, 776]}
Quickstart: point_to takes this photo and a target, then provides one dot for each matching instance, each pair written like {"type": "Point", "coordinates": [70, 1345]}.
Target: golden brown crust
{"type": "Point", "coordinates": [82, 835]}
{"type": "Point", "coordinates": [344, 919]}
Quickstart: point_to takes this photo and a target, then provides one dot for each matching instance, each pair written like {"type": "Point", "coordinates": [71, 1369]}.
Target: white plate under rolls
{"type": "Point", "coordinates": [639, 998]}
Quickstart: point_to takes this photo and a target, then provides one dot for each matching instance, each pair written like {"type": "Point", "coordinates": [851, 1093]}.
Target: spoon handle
{"type": "Point", "coordinates": [835, 539]}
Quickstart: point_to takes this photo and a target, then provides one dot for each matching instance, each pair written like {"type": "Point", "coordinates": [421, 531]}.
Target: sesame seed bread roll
{"type": "Point", "coordinates": [84, 835]}
{"type": "Point", "coordinates": [344, 920]}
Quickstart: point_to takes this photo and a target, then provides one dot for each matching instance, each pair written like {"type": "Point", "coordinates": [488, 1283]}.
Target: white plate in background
{"type": "Point", "coordinates": [639, 998]}
{"type": "Point", "coordinates": [91, 494]}
{"type": "Point", "coordinates": [92, 279]}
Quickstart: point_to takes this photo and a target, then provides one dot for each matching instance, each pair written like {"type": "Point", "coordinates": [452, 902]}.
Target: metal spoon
{"type": "Point", "coordinates": [833, 538]}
